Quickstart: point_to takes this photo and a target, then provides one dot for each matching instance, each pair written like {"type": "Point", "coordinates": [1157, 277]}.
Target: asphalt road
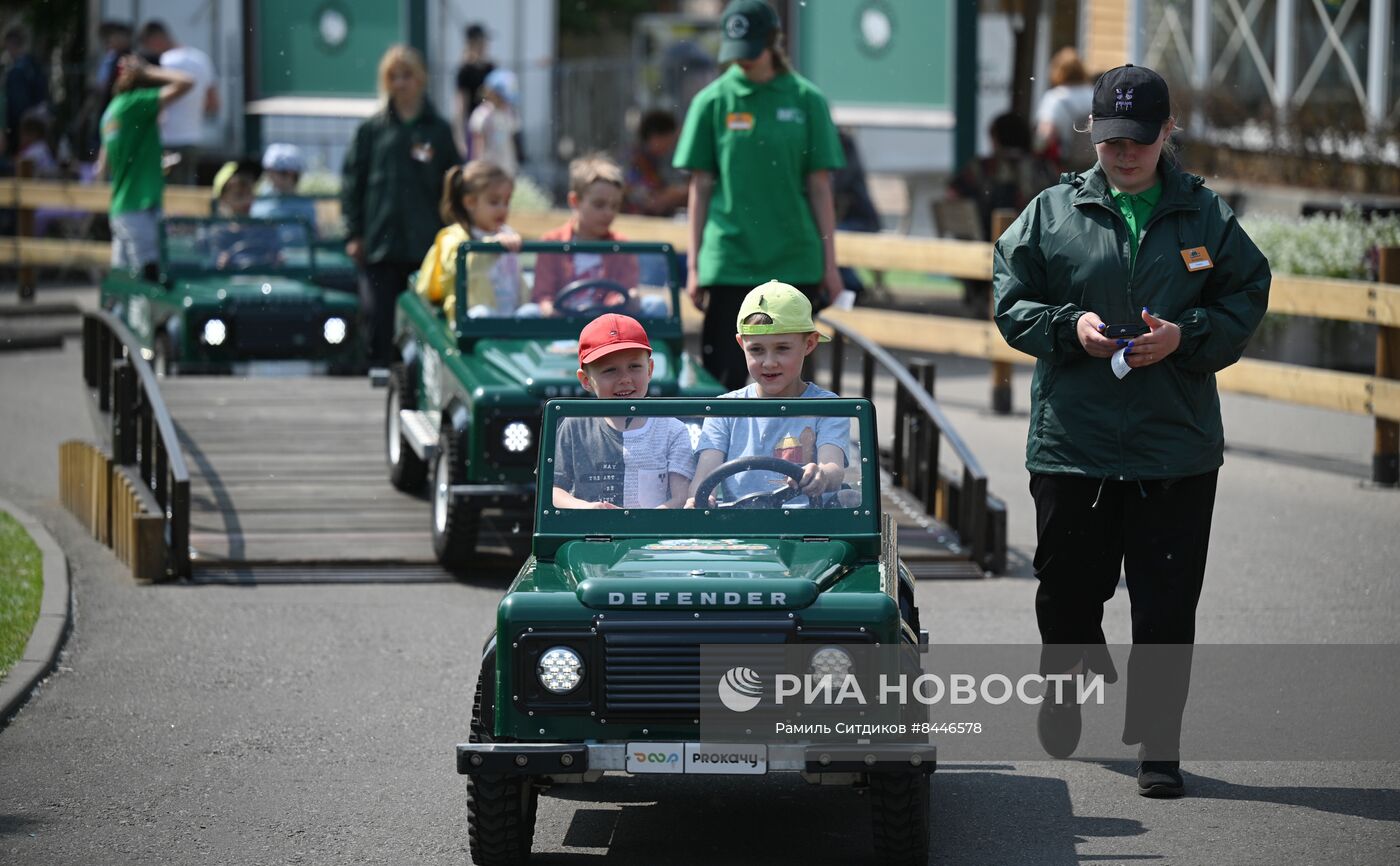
{"type": "Point", "coordinates": [316, 723]}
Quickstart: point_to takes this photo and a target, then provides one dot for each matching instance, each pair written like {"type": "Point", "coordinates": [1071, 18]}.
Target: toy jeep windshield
{"type": "Point", "coordinates": [234, 295]}
{"type": "Point", "coordinates": [596, 663]}
{"type": "Point", "coordinates": [463, 405]}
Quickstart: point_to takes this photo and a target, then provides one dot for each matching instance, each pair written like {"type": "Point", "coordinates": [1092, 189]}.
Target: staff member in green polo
{"type": "Point", "coordinates": [1125, 437]}
{"type": "Point", "coordinates": [760, 146]}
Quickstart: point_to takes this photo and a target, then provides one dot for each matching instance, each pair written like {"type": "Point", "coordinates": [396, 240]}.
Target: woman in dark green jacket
{"type": "Point", "coordinates": [390, 186]}
{"type": "Point", "coordinates": [1132, 285]}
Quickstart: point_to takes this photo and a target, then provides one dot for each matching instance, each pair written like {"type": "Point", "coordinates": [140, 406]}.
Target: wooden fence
{"type": "Point", "coordinates": [1378, 304]}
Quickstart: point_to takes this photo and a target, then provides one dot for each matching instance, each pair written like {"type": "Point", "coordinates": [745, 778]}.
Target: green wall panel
{"type": "Point", "coordinates": [879, 52]}
{"type": "Point", "coordinates": [329, 48]}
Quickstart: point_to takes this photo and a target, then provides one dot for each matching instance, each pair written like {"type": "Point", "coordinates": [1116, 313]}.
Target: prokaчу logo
{"type": "Point", "coordinates": [740, 689]}
{"type": "Point", "coordinates": [736, 27]}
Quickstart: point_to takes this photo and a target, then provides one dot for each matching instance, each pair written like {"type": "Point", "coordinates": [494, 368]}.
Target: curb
{"type": "Point", "coordinates": [55, 616]}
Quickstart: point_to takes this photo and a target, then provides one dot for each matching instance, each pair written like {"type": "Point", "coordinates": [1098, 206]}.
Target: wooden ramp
{"type": "Point", "coordinates": [292, 471]}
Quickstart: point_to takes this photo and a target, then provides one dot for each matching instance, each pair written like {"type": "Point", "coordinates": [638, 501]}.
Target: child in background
{"type": "Point", "coordinates": [776, 333]}
{"type": "Point", "coordinates": [620, 462]}
{"type": "Point", "coordinates": [475, 203]}
{"type": "Point", "coordinates": [493, 123]}
{"type": "Point", "coordinates": [595, 196]}
{"type": "Point", "coordinates": [234, 244]}
{"type": "Point", "coordinates": [282, 166]}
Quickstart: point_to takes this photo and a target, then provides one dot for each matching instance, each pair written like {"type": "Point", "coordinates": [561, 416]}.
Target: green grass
{"type": "Point", "coordinates": [21, 588]}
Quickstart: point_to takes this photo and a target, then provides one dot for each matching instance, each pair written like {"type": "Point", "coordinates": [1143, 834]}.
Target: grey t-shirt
{"type": "Point", "coordinates": [629, 468]}
{"type": "Point", "coordinates": [795, 439]}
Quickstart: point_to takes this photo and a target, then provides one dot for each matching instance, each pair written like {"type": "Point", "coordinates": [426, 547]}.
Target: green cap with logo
{"type": "Point", "coordinates": [789, 309]}
{"type": "Point", "coordinates": [748, 26]}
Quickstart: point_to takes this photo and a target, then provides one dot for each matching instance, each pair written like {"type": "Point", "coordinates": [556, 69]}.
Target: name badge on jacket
{"type": "Point", "coordinates": [1197, 259]}
{"type": "Point", "coordinates": [739, 120]}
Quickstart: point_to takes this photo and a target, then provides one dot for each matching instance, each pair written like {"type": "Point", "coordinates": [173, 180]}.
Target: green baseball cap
{"type": "Point", "coordinates": [789, 309]}
{"type": "Point", "coordinates": [749, 26]}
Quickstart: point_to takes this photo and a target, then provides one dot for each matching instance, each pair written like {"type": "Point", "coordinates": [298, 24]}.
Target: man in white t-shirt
{"type": "Point", "coordinates": [182, 123]}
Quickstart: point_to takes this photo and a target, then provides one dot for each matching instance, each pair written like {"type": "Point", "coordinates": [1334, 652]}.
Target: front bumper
{"type": "Point", "coordinates": [548, 759]}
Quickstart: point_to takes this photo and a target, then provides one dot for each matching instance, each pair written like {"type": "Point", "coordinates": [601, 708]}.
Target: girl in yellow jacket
{"type": "Point", "coordinates": [475, 201]}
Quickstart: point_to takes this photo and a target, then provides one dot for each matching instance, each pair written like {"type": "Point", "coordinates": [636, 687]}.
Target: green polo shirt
{"type": "Point", "coordinates": [760, 141]}
{"type": "Point", "coordinates": [131, 135]}
{"type": "Point", "coordinates": [1136, 209]}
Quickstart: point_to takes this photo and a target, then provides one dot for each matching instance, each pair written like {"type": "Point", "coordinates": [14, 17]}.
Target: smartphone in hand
{"type": "Point", "coordinates": [1124, 332]}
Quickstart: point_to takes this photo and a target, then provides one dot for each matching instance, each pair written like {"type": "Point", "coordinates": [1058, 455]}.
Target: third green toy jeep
{"type": "Point", "coordinates": [598, 663]}
{"type": "Point", "coordinates": [464, 404]}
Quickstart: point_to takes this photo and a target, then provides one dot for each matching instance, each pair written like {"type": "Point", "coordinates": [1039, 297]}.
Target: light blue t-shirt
{"type": "Point", "coordinates": [286, 207]}
{"type": "Point", "coordinates": [796, 439]}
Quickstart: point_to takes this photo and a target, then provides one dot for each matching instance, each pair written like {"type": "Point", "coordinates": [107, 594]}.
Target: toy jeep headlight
{"type": "Point", "coordinates": [833, 661]}
{"type": "Point", "coordinates": [560, 670]}
{"type": "Point", "coordinates": [516, 437]}
{"type": "Point", "coordinates": [334, 330]}
{"type": "Point", "coordinates": [215, 332]}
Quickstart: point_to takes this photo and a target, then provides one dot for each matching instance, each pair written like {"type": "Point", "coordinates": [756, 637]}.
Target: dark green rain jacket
{"type": "Point", "coordinates": [391, 183]}
{"type": "Point", "coordinates": [1068, 254]}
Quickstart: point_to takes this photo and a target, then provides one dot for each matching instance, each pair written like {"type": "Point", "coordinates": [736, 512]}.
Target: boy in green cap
{"type": "Point", "coordinates": [776, 334]}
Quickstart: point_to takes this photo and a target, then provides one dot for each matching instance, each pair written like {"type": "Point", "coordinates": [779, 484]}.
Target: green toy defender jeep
{"type": "Point", "coordinates": [599, 660]}
{"type": "Point", "coordinates": [463, 405]}
{"type": "Point", "coordinates": [234, 295]}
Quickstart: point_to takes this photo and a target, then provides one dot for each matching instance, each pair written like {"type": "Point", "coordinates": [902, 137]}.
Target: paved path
{"type": "Point", "coordinates": [314, 723]}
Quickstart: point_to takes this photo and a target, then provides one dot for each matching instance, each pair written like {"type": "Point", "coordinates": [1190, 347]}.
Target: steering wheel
{"type": "Point", "coordinates": [590, 294]}
{"type": "Point", "coordinates": [760, 499]}
{"type": "Point", "coordinates": [245, 254]}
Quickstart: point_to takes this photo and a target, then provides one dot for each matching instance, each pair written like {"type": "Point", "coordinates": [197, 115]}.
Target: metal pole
{"type": "Point", "coordinates": [836, 347]}
{"type": "Point", "coordinates": [867, 376]}
{"type": "Point", "coordinates": [1285, 56]}
{"type": "Point", "coordinates": [24, 228]}
{"type": "Point", "coordinates": [1378, 63]}
{"type": "Point", "coordinates": [1201, 48]}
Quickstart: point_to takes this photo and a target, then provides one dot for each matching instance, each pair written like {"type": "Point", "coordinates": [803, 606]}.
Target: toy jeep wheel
{"type": "Point", "coordinates": [455, 520]}
{"type": "Point", "coordinates": [407, 471]}
{"type": "Point", "coordinates": [500, 809]}
{"type": "Point", "coordinates": [899, 817]}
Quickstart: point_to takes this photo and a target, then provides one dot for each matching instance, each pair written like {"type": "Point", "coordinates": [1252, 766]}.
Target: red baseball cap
{"type": "Point", "coordinates": [610, 332]}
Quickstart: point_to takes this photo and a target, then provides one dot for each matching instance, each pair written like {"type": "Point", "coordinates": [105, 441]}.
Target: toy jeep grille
{"type": "Point", "coordinates": [652, 669]}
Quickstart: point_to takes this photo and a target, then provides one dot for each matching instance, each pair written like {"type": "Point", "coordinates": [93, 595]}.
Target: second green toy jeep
{"type": "Point", "coordinates": [237, 295]}
{"type": "Point", "coordinates": [463, 405]}
{"type": "Point", "coordinates": [601, 658]}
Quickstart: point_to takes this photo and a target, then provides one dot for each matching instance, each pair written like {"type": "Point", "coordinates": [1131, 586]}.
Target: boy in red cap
{"type": "Point", "coordinates": [624, 462]}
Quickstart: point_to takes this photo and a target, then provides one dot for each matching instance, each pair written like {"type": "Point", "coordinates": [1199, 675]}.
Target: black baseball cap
{"type": "Point", "coordinates": [748, 26]}
{"type": "Point", "coordinates": [1130, 102]}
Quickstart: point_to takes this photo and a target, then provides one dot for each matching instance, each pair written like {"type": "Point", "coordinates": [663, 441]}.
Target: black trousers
{"type": "Point", "coordinates": [720, 352]}
{"type": "Point", "coordinates": [380, 285]}
{"type": "Point", "coordinates": [1157, 534]}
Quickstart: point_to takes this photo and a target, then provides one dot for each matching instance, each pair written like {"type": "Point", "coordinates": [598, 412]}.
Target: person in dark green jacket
{"type": "Point", "coordinates": [1132, 285]}
{"type": "Point", "coordinates": [391, 182]}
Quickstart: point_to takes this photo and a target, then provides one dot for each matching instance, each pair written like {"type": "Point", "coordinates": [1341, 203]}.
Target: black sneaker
{"type": "Point", "coordinates": [1160, 779]}
{"type": "Point", "coordinates": [1058, 726]}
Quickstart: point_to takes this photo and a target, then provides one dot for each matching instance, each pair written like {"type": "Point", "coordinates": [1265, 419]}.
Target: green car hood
{"type": "Point", "coordinates": [715, 574]}
{"type": "Point", "coordinates": [254, 289]}
{"type": "Point", "coordinates": [548, 368]}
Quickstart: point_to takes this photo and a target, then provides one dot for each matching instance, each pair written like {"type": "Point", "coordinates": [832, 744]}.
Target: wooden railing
{"type": "Point", "coordinates": [148, 499]}
{"type": "Point", "coordinates": [962, 502]}
{"type": "Point", "coordinates": [1375, 395]}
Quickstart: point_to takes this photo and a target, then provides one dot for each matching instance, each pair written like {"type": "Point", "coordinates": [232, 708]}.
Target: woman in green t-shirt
{"type": "Point", "coordinates": [760, 146]}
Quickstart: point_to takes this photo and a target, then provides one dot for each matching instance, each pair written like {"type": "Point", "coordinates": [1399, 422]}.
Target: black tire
{"type": "Point", "coordinates": [163, 356]}
{"type": "Point", "coordinates": [899, 818]}
{"type": "Point", "coordinates": [500, 809]}
{"type": "Point", "coordinates": [407, 471]}
{"type": "Point", "coordinates": [455, 521]}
